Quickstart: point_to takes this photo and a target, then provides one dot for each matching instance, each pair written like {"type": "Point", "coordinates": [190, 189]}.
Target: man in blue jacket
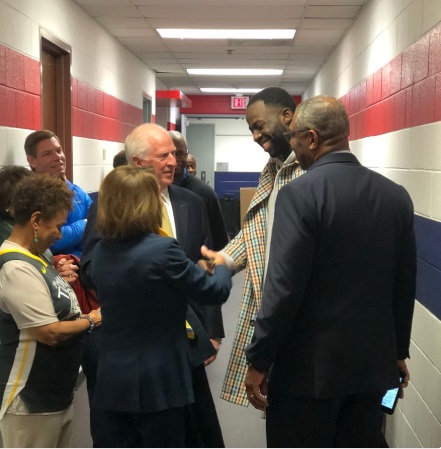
{"type": "Point", "coordinates": [45, 155]}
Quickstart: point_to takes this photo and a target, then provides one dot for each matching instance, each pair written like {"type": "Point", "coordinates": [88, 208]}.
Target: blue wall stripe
{"type": "Point", "coordinates": [228, 184]}
{"type": "Point", "coordinates": [428, 237]}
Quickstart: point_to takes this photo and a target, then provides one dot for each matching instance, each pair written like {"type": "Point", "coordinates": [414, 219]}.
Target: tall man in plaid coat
{"type": "Point", "coordinates": [269, 114]}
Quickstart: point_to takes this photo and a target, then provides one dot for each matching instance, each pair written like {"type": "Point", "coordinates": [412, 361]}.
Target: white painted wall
{"type": "Point", "coordinates": [234, 144]}
{"type": "Point", "coordinates": [411, 157]}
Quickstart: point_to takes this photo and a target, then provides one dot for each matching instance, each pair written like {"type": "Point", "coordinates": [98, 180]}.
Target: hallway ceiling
{"type": "Point", "coordinates": [320, 25]}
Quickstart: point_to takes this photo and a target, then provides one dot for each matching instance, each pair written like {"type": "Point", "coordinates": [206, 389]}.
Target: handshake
{"type": "Point", "coordinates": [213, 258]}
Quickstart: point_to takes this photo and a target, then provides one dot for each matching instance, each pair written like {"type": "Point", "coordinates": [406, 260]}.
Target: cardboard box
{"type": "Point", "coordinates": [246, 195]}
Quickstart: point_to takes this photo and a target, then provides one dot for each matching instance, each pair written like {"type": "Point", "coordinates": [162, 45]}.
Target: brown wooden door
{"type": "Point", "coordinates": [56, 96]}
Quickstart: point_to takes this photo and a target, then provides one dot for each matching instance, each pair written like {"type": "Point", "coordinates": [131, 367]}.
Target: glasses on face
{"type": "Point", "coordinates": [291, 134]}
{"type": "Point", "coordinates": [181, 154]}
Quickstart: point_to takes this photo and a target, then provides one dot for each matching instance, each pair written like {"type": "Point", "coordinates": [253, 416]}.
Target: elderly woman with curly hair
{"type": "Point", "coordinates": [40, 322]}
{"type": "Point", "coordinates": [10, 176]}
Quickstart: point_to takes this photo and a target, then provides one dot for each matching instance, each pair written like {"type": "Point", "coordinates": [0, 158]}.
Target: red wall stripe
{"type": "Point", "coordinates": [95, 114]}
{"type": "Point", "coordinates": [404, 93]}
{"type": "Point", "coordinates": [19, 90]}
{"type": "Point", "coordinates": [98, 115]}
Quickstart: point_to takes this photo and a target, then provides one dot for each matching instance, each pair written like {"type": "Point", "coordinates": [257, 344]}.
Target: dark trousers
{"type": "Point", "coordinates": [99, 424]}
{"type": "Point", "coordinates": [202, 428]}
{"type": "Point", "coordinates": [158, 429]}
{"type": "Point", "coordinates": [354, 421]}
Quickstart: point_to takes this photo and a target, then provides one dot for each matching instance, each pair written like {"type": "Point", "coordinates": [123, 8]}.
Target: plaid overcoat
{"type": "Point", "coordinates": [248, 252]}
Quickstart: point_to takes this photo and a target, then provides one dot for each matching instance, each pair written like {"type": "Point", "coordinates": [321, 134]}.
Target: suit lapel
{"type": "Point", "coordinates": [180, 212]}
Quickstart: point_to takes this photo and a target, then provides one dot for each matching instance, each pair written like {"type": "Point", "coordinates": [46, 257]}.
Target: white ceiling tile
{"type": "Point", "coordinates": [221, 12]}
{"type": "Point", "coordinates": [133, 32]}
{"type": "Point", "coordinates": [85, 3]}
{"type": "Point", "coordinates": [326, 24]}
{"type": "Point", "coordinates": [112, 11]}
{"type": "Point", "coordinates": [134, 41]}
{"type": "Point", "coordinates": [155, 55]}
{"type": "Point", "coordinates": [147, 48]}
{"type": "Point", "coordinates": [233, 22]}
{"type": "Point", "coordinates": [332, 12]}
{"type": "Point", "coordinates": [317, 41]}
{"type": "Point", "coordinates": [199, 3]}
{"type": "Point", "coordinates": [337, 2]}
{"type": "Point", "coordinates": [111, 22]}
{"type": "Point", "coordinates": [319, 23]}
{"type": "Point", "coordinates": [314, 34]}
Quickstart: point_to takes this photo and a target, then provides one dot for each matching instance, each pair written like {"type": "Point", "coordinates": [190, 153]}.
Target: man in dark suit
{"type": "Point", "coordinates": [150, 145]}
{"type": "Point", "coordinates": [186, 180]}
{"type": "Point", "coordinates": [334, 328]}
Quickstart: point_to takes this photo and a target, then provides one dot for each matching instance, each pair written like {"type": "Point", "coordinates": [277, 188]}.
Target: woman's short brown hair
{"type": "Point", "coordinates": [128, 203]}
{"type": "Point", "coordinates": [40, 193]}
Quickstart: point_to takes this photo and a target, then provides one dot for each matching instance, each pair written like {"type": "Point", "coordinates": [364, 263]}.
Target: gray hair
{"type": "Point", "coordinates": [325, 115]}
{"type": "Point", "coordinates": [177, 136]}
{"type": "Point", "coordinates": [138, 142]}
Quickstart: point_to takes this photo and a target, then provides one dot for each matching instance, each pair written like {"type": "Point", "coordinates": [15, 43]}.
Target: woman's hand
{"type": "Point", "coordinates": [96, 316]}
{"type": "Point", "coordinates": [67, 270]}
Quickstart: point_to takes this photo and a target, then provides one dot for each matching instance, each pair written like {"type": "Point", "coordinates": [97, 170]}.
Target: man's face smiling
{"type": "Point", "coordinates": [266, 124]}
{"type": "Point", "coordinates": [161, 158]}
{"type": "Point", "coordinates": [50, 158]}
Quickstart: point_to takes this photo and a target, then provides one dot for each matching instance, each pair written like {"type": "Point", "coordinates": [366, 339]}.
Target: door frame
{"type": "Point", "coordinates": [63, 54]}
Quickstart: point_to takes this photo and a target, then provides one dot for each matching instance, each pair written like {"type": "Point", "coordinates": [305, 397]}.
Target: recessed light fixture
{"type": "Point", "coordinates": [237, 72]}
{"type": "Point", "coordinates": [226, 90]}
{"type": "Point", "coordinates": [176, 33]}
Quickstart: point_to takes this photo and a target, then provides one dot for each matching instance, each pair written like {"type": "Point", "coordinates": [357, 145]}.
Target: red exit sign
{"type": "Point", "coordinates": [239, 102]}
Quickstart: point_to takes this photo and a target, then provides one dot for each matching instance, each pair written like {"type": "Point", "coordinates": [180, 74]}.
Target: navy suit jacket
{"type": "Point", "coordinates": [143, 285]}
{"type": "Point", "coordinates": [340, 288]}
{"type": "Point", "coordinates": [192, 232]}
{"type": "Point", "coordinates": [214, 212]}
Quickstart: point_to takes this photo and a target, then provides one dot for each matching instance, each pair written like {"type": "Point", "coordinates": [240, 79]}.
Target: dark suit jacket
{"type": "Point", "coordinates": [143, 285]}
{"type": "Point", "coordinates": [340, 288]}
{"type": "Point", "coordinates": [215, 217]}
{"type": "Point", "coordinates": [192, 232]}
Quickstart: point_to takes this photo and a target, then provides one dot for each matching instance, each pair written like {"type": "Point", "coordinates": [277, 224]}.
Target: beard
{"type": "Point", "coordinates": [280, 147]}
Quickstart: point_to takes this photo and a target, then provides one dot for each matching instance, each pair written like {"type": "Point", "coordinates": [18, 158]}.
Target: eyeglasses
{"type": "Point", "coordinates": [181, 154]}
{"type": "Point", "coordinates": [291, 134]}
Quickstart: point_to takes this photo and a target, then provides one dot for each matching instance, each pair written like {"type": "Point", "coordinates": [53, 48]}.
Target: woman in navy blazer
{"type": "Point", "coordinates": [143, 279]}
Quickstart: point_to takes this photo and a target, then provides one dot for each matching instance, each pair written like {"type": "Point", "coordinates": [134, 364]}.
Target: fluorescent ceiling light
{"type": "Point", "coordinates": [226, 90]}
{"type": "Point", "coordinates": [238, 72]}
{"type": "Point", "coordinates": [173, 33]}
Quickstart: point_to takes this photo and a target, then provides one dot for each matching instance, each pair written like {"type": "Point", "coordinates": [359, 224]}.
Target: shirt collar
{"type": "Point", "coordinates": [166, 196]}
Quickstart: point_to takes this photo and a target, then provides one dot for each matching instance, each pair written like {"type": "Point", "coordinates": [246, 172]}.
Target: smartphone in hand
{"type": "Point", "coordinates": [390, 399]}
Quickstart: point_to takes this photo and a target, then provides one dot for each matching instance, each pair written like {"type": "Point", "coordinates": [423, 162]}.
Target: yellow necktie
{"type": "Point", "coordinates": [166, 225]}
